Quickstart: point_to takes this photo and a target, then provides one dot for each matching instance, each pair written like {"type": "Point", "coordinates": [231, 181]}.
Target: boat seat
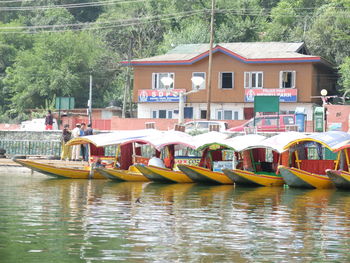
{"type": "Point", "coordinates": [266, 167]}
{"type": "Point", "coordinates": [316, 166]}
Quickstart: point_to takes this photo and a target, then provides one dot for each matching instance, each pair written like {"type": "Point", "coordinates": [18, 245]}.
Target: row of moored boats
{"type": "Point", "coordinates": [316, 160]}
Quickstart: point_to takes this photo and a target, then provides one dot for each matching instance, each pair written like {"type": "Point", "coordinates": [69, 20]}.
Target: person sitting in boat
{"type": "Point", "coordinates": [156, 161]}
{"type": "Point", "coordinates": [99, 163]}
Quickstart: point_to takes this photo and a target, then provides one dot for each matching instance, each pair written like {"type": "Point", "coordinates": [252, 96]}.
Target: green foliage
{"type": "Point", "coordinates": [329, 35]}
{"type": "Point", "coordinates": [57, 65]}
{"type": "Point", "coordinates": [344, 71]}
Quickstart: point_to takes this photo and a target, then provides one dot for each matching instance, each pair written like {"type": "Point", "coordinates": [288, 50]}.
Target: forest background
{"type": "Point", "coordinates": [48, 48]}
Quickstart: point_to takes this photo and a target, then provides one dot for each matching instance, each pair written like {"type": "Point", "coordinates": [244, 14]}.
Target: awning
{"type": "Point", "coordinates": [278, 142]}
{"type": "Point", "coordinates": [333, 140]}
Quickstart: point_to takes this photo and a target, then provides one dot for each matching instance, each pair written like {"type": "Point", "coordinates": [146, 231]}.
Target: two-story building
{"type": "Point", "coordinates": [240, 71]}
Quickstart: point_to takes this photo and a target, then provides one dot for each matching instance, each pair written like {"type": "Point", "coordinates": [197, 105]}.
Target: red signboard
{"type": "Point", "coordinates": [286, 95]}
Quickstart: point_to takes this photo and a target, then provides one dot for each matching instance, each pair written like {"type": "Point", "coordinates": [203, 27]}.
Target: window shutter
{"type": "Point", "coordinates": [154, 80]}
{"type": "Point", "coordinates": [233, 80]}
{"type": "Point", "coordinates": [247, 80]}
{"type": "Point", "coordinates": [281, 80]}
{"type": "Point", "coordinates": [260, 80]}
{"type": "Point", "coordinates": [294, 78]}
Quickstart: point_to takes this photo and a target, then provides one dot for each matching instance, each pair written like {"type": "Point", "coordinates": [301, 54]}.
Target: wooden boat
{"type": "Point", "coordinates": [55, 170]}
{"type": "Point", "coordinates": [340, 178]}
{"type": "Point", "coordinates": [130, 175]}
{"type": "Point", "coordinates": [163, 175]}
{"type": "Point", "coordinates": [213, 158]}
{"type": "Point", "coordinates": [311, 172]}
{"type": "Point", "coordinates": [295, 177]}
{"type": "Point", "coordinates": [256, 169]}
{"type": "Point", "coordinates": [203, 175]}
{"type": "Point", "coordinates": [248, 178]}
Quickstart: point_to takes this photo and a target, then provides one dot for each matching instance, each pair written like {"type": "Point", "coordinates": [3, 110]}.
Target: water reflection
{"type": "Point", "coordinates": [51, 220]}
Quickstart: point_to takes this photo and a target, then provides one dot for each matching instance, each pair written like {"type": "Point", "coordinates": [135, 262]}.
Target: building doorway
{"type": "Point", "coordinates": [188, 113]}
{"type": "Point", "coordinates": [203, 114]}
{"type": "Point", "coordinates": [248, 113]}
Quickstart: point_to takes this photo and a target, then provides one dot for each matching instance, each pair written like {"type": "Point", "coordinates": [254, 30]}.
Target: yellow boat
{"type": "Point", "coordinates": [130, 175]}
{"type": "Point", "coordinates": [295, 177]}
{"type": "Point", "coordinates": [203, 175]}
{"type": "Point", "coordinates": [163, 175]}
{"type": "Point", "coordinates": [241, 177]}
{"type": "Point", "coordinates": [340, 178]}
{"type": "Point", "coordinates": [56, 170]}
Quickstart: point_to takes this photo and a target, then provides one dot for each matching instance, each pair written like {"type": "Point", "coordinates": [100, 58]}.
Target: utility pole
{"type": "Point", "coordinates": [90, 101]}
{"type": "Point", "coordinates": [128, 80]}
{"type": "Point", "coordinates": [210, 58]}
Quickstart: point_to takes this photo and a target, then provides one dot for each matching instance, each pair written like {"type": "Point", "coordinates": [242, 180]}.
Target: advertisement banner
{"type": "Point", "coordinates": [153, 95]}
{"type": "Point", "coordinates": [286, 95]}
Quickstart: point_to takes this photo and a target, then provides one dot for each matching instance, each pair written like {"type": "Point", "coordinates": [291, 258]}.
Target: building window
{"type": "Point", "coordinates": [253, 80]}
{"type": "Point", "coordinates": [199, 74]}
{"type": "Point", "coordinates": [157, 80]}
{"type": "Point", "coordinates": [226, 80]}
{"type": "Point", "coordinates": [154, 114]}
{"type": "Point", "coordinates": [162, 114]}
{"type": "Point", "coordinates": [227, 115]}
{"type": "Point", "coordinates": [287, 79]}
{"type": "Point", "coordinates": [203, 114]}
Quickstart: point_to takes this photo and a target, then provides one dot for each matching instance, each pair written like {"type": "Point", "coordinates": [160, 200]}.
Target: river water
{"type": "Point", "coordinates": [53, 220]}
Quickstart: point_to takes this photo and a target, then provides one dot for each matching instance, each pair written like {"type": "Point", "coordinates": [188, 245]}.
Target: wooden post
{"type": "Point", "coordinates": [210, 58]}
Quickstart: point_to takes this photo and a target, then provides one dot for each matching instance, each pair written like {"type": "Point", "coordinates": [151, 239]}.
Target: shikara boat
{"type": "Point", "coordinates": [248, 178]}
{"type": "Point", "coordinates": [204, 175]}
{"type": "Point", "coordinates": [295, 177]}
{"type": "Point", "coordinates": [213, 161]}
{"type": "Point", "coordinates": [57, 169]}
{"type": "Point", "coordinates": [126, 155]}
{"type": "Point", "coordinates": [119, 175]}
{"type": "Point", "coordinates": [341, 177]}
{"type": "Point", "coordinates": [168, 142]}
{"type": "Point", "coordinates": [163, 175]}
{"type": "Point", "coordinates": [258, 169]}
{"type": "Point", "coordinates": [307, 172]}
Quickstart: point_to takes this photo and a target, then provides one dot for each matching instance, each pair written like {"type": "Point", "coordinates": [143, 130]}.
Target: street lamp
{"type": "Point", "coordinates": [197, 81]}
{"type": "Point", "coordinates": [324, 93]}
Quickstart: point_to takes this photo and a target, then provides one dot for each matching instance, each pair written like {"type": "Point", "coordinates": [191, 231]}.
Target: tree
{"type": "Point", "coordinates": [329, 35]}
{"type": "Point", "coordinates": [59, 64]}
{"type": "Point", "coordinates": [344, 71]}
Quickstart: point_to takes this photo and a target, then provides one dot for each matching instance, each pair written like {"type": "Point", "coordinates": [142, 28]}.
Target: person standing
{"type": "Point", "coordinates": [83, 146]}
{"type": "Point", "coordinates": [66, 136]}
{"type": "Point", "coordinates": [48, 121]}
{"type": "Point", "coordinates": [76, 148]}
{"type": "Point", "coordinates": [88, 131]}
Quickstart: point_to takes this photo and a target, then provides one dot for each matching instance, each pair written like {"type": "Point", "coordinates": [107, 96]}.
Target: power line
{"type": "Point", "coordinates": [69, 6]}
{"type": "Point", "coordinates": [85, 26]}
{"type": "Point", "coordinates": [123, 23]}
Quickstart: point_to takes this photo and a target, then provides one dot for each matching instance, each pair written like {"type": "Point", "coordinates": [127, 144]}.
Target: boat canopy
{"type": "Point", "coordinates": [161, 139]}
{"type": "Point", "coordinates": [209, 139]}
{"type": "Point", "coordinates": [333, 140]}
{"type": "Point", "coordinates": [113, 138]}
{"type": "Point", "coordinates": [158, 139]}
{"type": "Point", "coordinates": [240, 143]}
{"type": "Point", "coordinates": [278, 142]}
{"type": "Point", "coordinates": [342, 146]}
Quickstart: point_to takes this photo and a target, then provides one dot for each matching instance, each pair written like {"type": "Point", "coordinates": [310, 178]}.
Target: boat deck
{"type": "Point", "coordinates": [70, 164]}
